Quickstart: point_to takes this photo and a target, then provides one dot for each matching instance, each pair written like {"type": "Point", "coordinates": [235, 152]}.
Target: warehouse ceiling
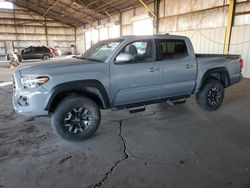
{"type": "Point", "coordinates": [76, 12]}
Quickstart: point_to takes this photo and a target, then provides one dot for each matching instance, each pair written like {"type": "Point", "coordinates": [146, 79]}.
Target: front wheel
{"type": "Point", "coordinates": [76, 118]}
{"type": "Point", "coordinates": [211, 96]}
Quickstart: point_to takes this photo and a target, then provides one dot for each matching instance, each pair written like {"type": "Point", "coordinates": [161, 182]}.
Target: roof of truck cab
{"type": "Point", "coordinates": [156, 36]}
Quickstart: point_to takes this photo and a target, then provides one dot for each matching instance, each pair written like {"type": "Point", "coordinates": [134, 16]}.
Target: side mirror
{"type": "Point", "coordinates": [122, 58]}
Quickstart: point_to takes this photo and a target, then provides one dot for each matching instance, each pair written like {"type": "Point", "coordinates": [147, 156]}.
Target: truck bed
{"type": "Point", "coordinates": [231, 63]}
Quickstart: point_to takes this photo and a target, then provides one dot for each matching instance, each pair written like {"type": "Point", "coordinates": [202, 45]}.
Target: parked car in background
{"type": "Point", "coordinates": [37, 52]}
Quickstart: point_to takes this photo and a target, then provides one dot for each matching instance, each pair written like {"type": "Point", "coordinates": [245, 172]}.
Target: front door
{"type": "Point", "coordinates": [26, 53]}
{"type": "Point", "coordinates": [137, 80]}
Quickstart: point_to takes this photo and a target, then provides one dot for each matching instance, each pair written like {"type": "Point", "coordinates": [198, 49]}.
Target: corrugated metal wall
{"type": "Point", "coordinates": [20, 28]}
{"type": "Point", "coordinates": [80, 40]}
{"type": "Point", "coordinates": [206, 40]}
{"type": "Point", "coordinates": [203, 21]}
{"type": "Point", "coordinates": [240, 44]}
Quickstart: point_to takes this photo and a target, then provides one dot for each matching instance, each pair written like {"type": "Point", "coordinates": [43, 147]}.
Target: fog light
{"type": "Point", "coordinates": [23, 101]}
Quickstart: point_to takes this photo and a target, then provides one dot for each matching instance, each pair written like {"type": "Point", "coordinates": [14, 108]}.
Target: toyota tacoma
{"type": "Point", "coordinates": [126, 72]}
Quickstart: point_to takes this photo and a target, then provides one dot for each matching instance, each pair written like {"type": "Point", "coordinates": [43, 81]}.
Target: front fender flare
{"type": "Point", "coordinates": [90, 86]}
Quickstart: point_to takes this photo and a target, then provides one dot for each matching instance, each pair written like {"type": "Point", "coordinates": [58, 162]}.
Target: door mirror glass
{"type": "Point", "coordinates": [123, 57]}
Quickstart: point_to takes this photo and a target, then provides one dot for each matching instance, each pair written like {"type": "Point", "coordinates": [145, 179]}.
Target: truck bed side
{"type": "Point", "coordinates": [210, 63]}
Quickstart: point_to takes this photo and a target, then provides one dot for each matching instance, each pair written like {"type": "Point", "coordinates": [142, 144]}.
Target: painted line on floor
{"type": "Point", "coordinates": [5, 84]}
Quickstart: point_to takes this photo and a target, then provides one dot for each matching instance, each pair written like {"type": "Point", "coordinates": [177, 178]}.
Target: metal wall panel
{"type": "Point", "coordinates": [199, 20]}
{"type": "Point", "coordinates": [168, 24]}
{"type": "Point", "coordinates": [126, 16]}
{"type": "Point", "coordinates": [178, 7]}
{"type": "Point", "coordinates": [80, 40]}
{"type": "Point", "coordinates": [240, 44]}
{"type": "Point", "coordinates": [141, 10]}
{"type": "Point", "coordinates": [28, 31]}
{"type": "Point", "coordinates": [127, 29]}
{"type": "Point", "coordinates": [205, 40]}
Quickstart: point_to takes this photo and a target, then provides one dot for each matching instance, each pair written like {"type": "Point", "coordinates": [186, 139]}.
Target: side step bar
{"type": "Point", "coordinates": [171, 102]}
{"type": "Point", "coordinates": [136, 109]}
{"type": "Point", "coordinates": [175, 102]}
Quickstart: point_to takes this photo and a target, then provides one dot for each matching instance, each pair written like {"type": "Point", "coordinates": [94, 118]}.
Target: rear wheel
{"type": "Point", "coordinates": [76, 118]}
{"type": "Point", "coordinates": [211, 96]}
{"type": "Point", "coordinates": [45, 57]}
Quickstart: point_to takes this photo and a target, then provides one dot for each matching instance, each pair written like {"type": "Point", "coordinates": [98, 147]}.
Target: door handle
{"type": "Point", "coordinates": [157, 68]}
{"type": "Point", "coordinates": [188, 66]}
{"type": "Point", "coordinates": [153, 69]}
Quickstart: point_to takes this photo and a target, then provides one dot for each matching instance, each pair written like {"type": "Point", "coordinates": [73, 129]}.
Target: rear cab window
{"type": "Point", "coordinates": [171, 49]}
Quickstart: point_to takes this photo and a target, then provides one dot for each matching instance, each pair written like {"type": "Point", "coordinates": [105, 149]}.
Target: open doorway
{"type": "Point", "coordinates": [143, 27]}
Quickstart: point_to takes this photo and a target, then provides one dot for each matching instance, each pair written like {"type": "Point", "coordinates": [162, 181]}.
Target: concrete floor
{"type": "Point", "coordinates": [174, 147]}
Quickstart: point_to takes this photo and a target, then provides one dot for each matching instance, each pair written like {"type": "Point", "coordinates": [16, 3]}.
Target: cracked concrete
{"type": "Point", "coordinates": [125, 156]}
{"type": "Point", "coordinates": [180, 146]}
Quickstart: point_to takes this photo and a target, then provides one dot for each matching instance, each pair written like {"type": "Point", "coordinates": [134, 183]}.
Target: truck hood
{"type": "Point", "coordinates": [58, 67]}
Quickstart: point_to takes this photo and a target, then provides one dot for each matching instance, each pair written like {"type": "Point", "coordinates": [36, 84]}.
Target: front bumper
{"type": "Point", "coordinates": [28, 102]}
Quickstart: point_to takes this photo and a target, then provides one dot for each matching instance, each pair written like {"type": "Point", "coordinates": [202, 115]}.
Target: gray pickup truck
{"type": "Point", "coordinates": [127, 72]}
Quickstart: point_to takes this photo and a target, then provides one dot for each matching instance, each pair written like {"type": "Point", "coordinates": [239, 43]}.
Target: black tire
{"type": "Point", "coordinates": [65, 124]}
{"type": "Point", "coordinates": [46, 57]}
{"type": "Point", "coordinates": [20, 59]}
{"type": "Point", "coordinates": [211, 96]}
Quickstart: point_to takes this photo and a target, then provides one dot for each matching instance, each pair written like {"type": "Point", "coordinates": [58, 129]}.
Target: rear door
{"type": "Point", "coordinates": [138, 80]}
{"type": "Point", "coordinates": [32, 54]}
{"type": "Point", "coordinates": [38, 54]}
{"type": "Point", "coordinates": [178, 67]}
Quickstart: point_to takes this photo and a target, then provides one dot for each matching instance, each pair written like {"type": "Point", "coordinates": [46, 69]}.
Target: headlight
{"type": "Point", "coordinates": [33, 82]}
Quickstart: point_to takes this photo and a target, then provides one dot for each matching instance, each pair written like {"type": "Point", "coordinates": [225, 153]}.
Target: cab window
{"type": "Point", "coordinates": [172, 49]}
{"type": "Point", "coordinates": [141, 51]}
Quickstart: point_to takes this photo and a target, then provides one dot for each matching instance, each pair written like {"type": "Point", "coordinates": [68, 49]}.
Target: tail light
{"type": "Point", "coordinates": [241, 63]}
{"type": "Point", "coordinates": [51, 51]}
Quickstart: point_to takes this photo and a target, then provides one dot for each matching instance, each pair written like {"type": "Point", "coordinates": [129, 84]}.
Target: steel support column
{"type": "Point", "coordinates": [230, 18]}
{"type": "Point", "coordinates": [16, 33]}
{"type": "Point", "coordinates": [156, 19]}
{"type": "Point", "coordinates": [46, 31]}
{"type": "Point", "coordinates": [120, 21]}
{"type": "Point", "coordinates": [76, 50]}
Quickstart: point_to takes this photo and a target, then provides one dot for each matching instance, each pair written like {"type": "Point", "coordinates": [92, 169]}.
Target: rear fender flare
{"type": "Point", "coordinates": [208, 74]}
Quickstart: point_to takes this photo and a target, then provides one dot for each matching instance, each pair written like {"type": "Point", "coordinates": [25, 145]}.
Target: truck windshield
{"type": "Point", "coordinates": [101, 50]}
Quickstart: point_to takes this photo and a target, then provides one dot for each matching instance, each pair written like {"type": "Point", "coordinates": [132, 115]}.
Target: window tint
{"type": "Point", "coordinates": [172, 49]}
{"type": "Point", "coordinates": [27, 50]}
{"type": "Point", "coordinates": [141, 51]}
{"type": "Point", "coordinates": [44, 49]}
{"type": "Point", "coordinates": [38, 49]}
{"type": "Point", "coordinates": [33, 49]}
